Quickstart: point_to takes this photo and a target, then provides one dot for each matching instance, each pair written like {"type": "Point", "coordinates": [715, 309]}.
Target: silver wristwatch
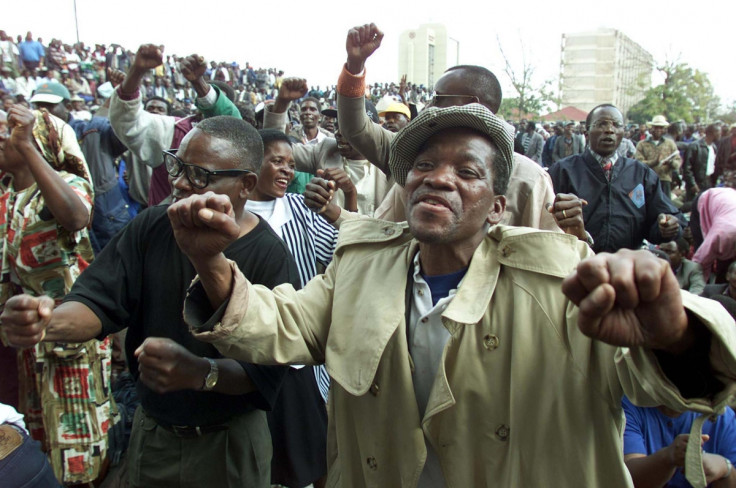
{"type": "Point", "coordinates": [211, 379]}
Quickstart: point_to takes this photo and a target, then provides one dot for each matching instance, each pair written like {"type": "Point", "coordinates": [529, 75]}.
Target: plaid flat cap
{"type": "Point", "coordinates": [409, 140]}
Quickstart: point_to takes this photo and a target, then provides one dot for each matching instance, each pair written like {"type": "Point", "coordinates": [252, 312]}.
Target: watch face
{"type": "Point", "coordinates": [211, 381]}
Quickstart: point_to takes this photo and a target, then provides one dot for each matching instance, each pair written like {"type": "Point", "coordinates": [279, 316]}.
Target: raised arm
{"type": "Point", "coordinates": [210, 100]}
{"type": "Point", "coordinates": [66, 206]}
{"type": "Point", "coordinates": [367, 137]}
{"type": "Point", "coordinates": [145, 134]}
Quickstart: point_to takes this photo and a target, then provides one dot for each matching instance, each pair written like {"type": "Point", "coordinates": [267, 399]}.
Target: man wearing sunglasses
{"type": "Point", "coordinates": [530, 190]}
{"type": "Point", "coordinates": [201, 420]}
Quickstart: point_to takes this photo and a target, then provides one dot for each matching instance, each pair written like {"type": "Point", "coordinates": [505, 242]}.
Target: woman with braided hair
{"type": "Point", "coordinates": [45, 208]}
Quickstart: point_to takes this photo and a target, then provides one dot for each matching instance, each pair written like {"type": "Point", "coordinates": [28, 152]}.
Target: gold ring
{"type": "Point", "coordinates": [564, 214]}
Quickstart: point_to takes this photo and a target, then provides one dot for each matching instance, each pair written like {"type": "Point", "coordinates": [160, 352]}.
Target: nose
{"type": "Point", "coordinates": [440, 177]}
{"type": "Point", "coordinates": [180, 182]}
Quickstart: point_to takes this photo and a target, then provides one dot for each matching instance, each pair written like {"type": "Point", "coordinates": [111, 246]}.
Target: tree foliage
{"type": "Point", "coordinates": [686, 94]}
{"type": "Point", "coordinates": [532, 97]}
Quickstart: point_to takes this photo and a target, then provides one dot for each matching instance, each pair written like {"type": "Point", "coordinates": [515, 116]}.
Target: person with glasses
{"type": "Point", "coordinates": [530, 190]}
{"type": "Point", "coordinates": [147, 134]}
{"type": "Point", "coordinates": [625, 202]}
{"type": "Point", "coordinates": [202, 420]}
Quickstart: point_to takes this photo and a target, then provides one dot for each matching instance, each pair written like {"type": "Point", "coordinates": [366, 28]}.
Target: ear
{"type": "Point", "coordinates": [248, 183]}
{"type": "Point", "coordinates": [497, 210]}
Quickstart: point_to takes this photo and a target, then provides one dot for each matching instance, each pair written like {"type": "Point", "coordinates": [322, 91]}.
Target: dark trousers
{"type": "Point", "coordinates": [22, 463]}
{"type": "Point", "coordinates": [236, 457]}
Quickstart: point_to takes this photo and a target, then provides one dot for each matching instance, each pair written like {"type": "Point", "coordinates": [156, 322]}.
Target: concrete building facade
{"type": "Point", "coordinates": [426, 52]}
{"type": "Point", "coordinates": [604, 66]}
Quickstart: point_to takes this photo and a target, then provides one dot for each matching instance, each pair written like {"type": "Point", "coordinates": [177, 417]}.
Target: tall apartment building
{"type": "Point", "coordinates": [426, 52]}
{"type": "Point", "coordinates": [603, 66]}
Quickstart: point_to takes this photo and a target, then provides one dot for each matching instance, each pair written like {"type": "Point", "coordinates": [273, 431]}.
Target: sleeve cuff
{"type": "Point", "coordinates": [208, 101]}
{"type": "Point", "coordinates": [351, 85]}
{"type": "Point", "coordinates": [128, 96]}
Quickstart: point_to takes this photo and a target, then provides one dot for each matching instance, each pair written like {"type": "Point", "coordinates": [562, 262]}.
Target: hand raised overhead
{"type": "Point", "coordinates": [362, 41]}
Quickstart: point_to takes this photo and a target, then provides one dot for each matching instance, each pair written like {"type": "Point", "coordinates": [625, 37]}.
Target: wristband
{"type": "Point", "coordinates": [729, 468]}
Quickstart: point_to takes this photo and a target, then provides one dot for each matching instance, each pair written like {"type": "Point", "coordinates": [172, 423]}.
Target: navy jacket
{"type": "Point", "coordinates": [620, 213]}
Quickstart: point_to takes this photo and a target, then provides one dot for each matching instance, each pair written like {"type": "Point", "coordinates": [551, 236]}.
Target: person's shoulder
{"type": "Point", "coordinates": [520, 247]}
{"type": "Point", "coordinates": [526, 166]}
{"type": "Point", "coordinates": [372, 231]}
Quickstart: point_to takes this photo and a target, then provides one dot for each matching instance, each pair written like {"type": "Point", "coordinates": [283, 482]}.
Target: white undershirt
{"type": "Point", "coordinates": [710, 168]}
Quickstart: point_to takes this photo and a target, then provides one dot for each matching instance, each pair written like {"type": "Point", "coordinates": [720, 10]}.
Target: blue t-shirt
{"type": "Point", "coordinates": [31, 51]}
{"type": "Point", "coordinates": [648, 430]}
{"type": "Point", "coordinates": [441, 285]}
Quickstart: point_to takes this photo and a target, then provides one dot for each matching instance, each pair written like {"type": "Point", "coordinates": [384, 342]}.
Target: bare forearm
{"type": "Point", "coordinates": [201, 87]}
{"type": "Point", "coordinates": [216, 277]}
{"type": "Point", "coordinates": [73, 322]}
{"type": "Point", "coordinates": [65, 205]}
{"type": "Point", "coordinates": [728, 482]}
{"type": "Point", "coordinates": [132, 80]}
{"type": "Point", "coordinates": [351, 201]}
{"type": "Point", "coordinates": [233, 379]}
{"type": "Point", "coordinates": [653, 471]}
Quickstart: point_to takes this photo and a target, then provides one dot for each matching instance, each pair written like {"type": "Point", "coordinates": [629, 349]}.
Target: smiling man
{"type": "Point", "coordinates": [309, 132]}
{"type": "Point", "coordinates": [447, 336]}
{"type": "Point", "coordinates": [201, 420]}
{"type": "Point", "coordinates": [625, 200]}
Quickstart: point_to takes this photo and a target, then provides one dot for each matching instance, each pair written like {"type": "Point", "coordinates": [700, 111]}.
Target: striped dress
{"type": "Point", "coordinates": [310, 239]}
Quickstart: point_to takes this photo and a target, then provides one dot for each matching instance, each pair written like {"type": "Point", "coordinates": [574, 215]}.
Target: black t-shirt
{"type": "Point", "coordinates": [140, 280]}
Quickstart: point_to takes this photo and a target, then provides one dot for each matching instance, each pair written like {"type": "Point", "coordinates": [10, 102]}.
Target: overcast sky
{"type": "Point", "coordinates": [308, 38]}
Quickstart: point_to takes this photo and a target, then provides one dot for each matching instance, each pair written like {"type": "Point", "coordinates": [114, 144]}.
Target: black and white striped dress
{"type": "Point", "coordinates": [309, 237]}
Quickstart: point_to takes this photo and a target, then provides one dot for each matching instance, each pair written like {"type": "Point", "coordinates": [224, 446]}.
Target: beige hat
{"type": "Point", "coordinates": [659, 121]}
{"type": "Point", "coordinates": [408, 141]}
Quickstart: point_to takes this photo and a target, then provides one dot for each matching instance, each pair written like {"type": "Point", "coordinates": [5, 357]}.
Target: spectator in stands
{"type": "Point", "coordinates": [32, 53]}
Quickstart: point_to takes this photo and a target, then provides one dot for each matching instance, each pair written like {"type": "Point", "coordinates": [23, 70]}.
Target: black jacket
{"type": "Point", "coordinates": [694, 166]}
{"type": "Point", "coordinates": [620, 213]}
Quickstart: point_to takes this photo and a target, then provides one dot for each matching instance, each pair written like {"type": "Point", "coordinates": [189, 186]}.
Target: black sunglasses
{"type": "Point", "coordinates": [197, 176]}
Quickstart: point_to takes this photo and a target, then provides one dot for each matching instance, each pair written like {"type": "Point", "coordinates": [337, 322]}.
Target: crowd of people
{"type": "Point", "coordinates": [217, 275]}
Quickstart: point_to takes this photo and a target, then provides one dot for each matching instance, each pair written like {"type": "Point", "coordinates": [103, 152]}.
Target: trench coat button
{"type": "Point", "coordinates": [425, 320]}
{"type": "Point", "coordinates": [502, 432]}
{"type": "Point", "coordinates": [375, 389]}
{"type": "Point", "coordinates": [371, 461]}
{"type": "Point", "coordinates": [420, 293]}
{"type": "Point", "coordinates": [506, 251]}
{"type": "Point", "coordinates": [490, 342]}
{"type": "Point", "coordinates": [389, 231]}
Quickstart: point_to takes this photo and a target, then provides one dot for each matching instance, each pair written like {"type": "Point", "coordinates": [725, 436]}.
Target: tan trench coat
{"type": "Point", "coordinates": [521, 399]}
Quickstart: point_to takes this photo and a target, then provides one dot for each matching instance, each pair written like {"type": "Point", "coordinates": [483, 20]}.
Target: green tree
{"type": "Point", "coordinates": [686, 94]}
{"type": "Point", "coordinates": [532, 97]}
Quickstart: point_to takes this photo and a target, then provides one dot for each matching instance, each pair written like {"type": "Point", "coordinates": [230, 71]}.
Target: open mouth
{"type": "Point", "coordinates": [282, 182]}
{"type": "Point", "coordinates": [433, 202]}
